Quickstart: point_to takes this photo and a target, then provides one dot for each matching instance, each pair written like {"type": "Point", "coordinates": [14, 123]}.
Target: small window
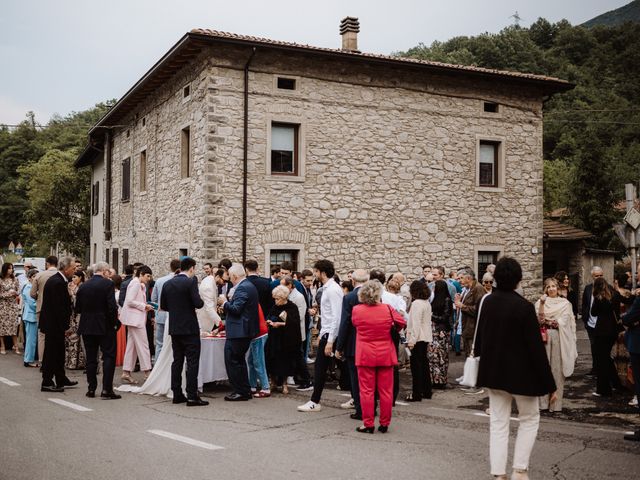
{"type": "Point", "coordinates": [491, 107]}
{"type": "Point", "coordinates": [114, 256]}
{"type": "Point", "coordinates": [183, 252]}
{"type": "Point", "coordinates": [276, 257]}
{"type": "Point", "coordinates": [128, 133]}
{"type": "Point", "coordinates": [484, 260]}
{"type": "Point", "coordinates": [144, 121]}
{"type": "Point", "coordinates": [125, 257]}
{"type": "Point", "coordinates": [488, 168]}
{"type": "Point", "coordinates": [126, 179]}
{"type": "Point", "coordinates": [95, 252]}
{"type": "Point", "coordinates": [143, 170]}
{"type": "Point", "coordinates": [286, 83]}
{"type": "Point", "coordinates": [185, 153]}
{"type": "Point", "coordinates": [186, 91]}
{"type": "Point", "coordinates": [95, 198]}
{"type": "Point", "coordinates": [284, 149]}
{"type": "Point", "coordinates": [106, 255]}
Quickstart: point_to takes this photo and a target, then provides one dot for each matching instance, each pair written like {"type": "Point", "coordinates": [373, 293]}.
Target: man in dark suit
{"type": "Point", "coordinates": [346, 343]}
{"type": "Point", "coordinates": [588, 319]}
{"type": "Point", "coordinates": [262, 284]}
{"type": "Point", "coordinates": [96, 304]}
{"type": "Point", "coordinates": [632, 341]}
{"type": "Point", "coordinates": [54, 323]}
{"type": "Point", "coordinates": [180, 298]}
{"type": "Point", "coordinates": [241, 324]}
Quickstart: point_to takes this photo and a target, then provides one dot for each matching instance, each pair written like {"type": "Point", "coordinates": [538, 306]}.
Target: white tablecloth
{"type": "Point", "coordinates": [212, 367]}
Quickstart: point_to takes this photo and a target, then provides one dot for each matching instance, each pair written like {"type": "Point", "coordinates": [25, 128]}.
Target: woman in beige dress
{"type": "Point", "coordinates": [9, 307]}
{"type": "Point", "coordinates": [555, 316]}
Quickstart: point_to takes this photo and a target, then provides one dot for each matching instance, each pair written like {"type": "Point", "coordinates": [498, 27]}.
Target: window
{"type": "Point", "coordinates": [183, 252]}
{"type": "Point", "coordinates": [106, 255]}
{"type": "Point", "coordinates": [114, 256]}
{"type": "Point", "coordinates": [186, 91]}
{"type": "Point", "coordinates": [488, 163]}
{"type": "Point", "coordinates": [143, 170]}
{"type": "Point", "coordinates": [125, 257]}
{"type": "Point", "coordinates": [95, 198]}
{"type": "Point", "coordinates": [128, 133]}
{"type": "Point", "coordinates": [490, 107]}
{"type": "Point", "coordinates": [185, 152]}
{"type": "Point", "coordinates": [286, 83]}
{"type": "Point", "coordinates": [485, 259]}
{"type": "Point", "coordinates": [284, 149]}
{"type": "Point", "coordinates": [144, 121]}
{"type": "Point", "coordinates": [276, 257]}
{"type": "Point", "coordinates": [126, 179]}
{"type": "Point", "coordinates": [95, 252]}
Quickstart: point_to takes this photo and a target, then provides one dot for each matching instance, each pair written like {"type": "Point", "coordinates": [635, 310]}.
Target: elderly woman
{"type": "Point", "coordinates": [513, 365]}
{"type": "Point", "coordinates": [487, 282]}
{"type": "Point", "coordinates": [30, 322]}
{"type": "Point", "coordinates": [375, 354]}
{"type": "Point", "coordinates": [419, 336]}
{"type": "Point", "coordinates": [558, 328]}
{"type": "Point", "coordinates": [75, 358]}
{"type": "Point", "coordinates": [283, 343]}
{"type": "Point", "coordinates": [134, 316]}
{"type": "Point", "coordinates": [9, 307]}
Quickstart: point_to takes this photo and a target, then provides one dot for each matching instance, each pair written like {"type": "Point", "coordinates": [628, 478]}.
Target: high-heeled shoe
{"type": "Point", "coordinates": [364, 429]}
{"type": "Point", "coordinates": [129, 379]}
{"type": "Point", "coordinates": [383, 428]}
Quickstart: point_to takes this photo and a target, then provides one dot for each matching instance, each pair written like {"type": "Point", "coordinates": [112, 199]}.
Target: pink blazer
{"type": "Point", "coordinates": [374, 347]}
{"type": "Point", "coordinates": [133, 313]}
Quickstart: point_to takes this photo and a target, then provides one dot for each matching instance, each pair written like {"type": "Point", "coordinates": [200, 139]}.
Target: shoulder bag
{"type": "Point", "coordinates": [470, 374]}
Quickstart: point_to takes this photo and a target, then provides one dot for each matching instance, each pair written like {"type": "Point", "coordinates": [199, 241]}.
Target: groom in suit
{"type": "Point", "coordinates": [241, 324]}
{"type": "Point", "coordinates": [180, 298]}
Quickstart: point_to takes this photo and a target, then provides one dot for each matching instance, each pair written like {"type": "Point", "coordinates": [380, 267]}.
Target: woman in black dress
{"type": "Point", "coordinates": [284, 339]}
{"type": "Point", "coordinates": [438, 349]}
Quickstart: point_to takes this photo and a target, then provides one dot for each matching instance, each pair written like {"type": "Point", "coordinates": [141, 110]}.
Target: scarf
{"type": "Point", "coordinates": [559, 309]}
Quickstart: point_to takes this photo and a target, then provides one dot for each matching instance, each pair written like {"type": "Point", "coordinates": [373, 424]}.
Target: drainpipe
{"type": "Point", "coordinates": [245, 162]}
{"type": "Point", "coordinates": [107, 190]}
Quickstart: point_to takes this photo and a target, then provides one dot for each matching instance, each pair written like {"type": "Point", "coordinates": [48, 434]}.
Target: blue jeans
{"type": "Point", "coordinates": [159, 339]}
{"type": "Point", "coordinates": [30, 341]}
{"type": "Point", "coordinates": [307, 344]}
{"type": "Point", "coordinates": [257, 365]}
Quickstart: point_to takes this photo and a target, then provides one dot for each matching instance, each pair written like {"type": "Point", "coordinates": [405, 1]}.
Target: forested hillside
{"type": "Point", "coordinates": [592, 133]}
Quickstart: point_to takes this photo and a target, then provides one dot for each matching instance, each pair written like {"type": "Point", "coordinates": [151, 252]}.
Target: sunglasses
{"type": "Point", "coordinates": [487, 282]}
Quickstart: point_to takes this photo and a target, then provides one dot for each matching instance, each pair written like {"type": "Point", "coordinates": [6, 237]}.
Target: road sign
{"type": "Point", "coordinates": [633, 218]}
{"type": "Point", "coordinates": [621, 231]}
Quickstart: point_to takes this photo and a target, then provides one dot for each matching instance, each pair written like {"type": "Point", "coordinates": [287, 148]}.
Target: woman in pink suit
{"type": "Point", "coordinates": [375, 354]}
{"type": "Point", "coordinates": [134, 316]}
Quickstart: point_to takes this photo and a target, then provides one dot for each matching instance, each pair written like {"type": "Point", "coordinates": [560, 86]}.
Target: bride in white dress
{"type": "Point", "coordinates": [159, 381]}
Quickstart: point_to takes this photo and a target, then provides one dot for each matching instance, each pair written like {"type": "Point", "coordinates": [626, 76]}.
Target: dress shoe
{"type": "Point", "coordinates": [365, 429]}
{"type": "Point", "coordinates": [236, 397]}
{"type": "Point", "coordinates": [110, 396]}
{"type": "Point", "coordinates": [51, 388]}
{"type": "Point", "coordinates": [197, 402]}
{"type": "Point", "coordinates": [633, 437]}
{"type": "Point", "coordinates": [355, 416]}
{"type": "Point", "coordinates": [69, 383]}
{"type": "Point", "coordinates": [91, 394]}
{"type": "Point", "coordinates": [177, 400]}
{"type": "Point", "coordinates": [383, 428]}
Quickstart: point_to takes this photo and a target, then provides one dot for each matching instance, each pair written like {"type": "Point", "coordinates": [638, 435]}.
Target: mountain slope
{"type": "Point", "coordinates": [627, 13]}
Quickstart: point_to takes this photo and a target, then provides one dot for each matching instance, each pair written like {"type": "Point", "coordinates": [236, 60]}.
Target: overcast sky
{"type": "Point", "coordinates": [58, 56]}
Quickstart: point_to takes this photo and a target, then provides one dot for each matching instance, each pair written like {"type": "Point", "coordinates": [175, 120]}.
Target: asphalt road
{"type": "Point", "coordinates": [135, 437]}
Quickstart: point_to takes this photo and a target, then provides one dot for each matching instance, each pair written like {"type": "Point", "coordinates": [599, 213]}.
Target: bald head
{"type": "Point", "coordinates": [359, 277]}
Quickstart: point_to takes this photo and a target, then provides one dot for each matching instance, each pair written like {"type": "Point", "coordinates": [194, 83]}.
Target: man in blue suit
{"type": "Point", "coordinates": [241, 325]}
{"type": "Point", "coordinates": [180, 298]}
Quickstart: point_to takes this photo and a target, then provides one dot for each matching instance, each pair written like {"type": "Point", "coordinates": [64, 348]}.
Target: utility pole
{"type": "Point", "coordinates": [630, 196]}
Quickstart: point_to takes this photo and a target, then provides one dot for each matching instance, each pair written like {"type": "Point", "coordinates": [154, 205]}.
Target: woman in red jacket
{"type": "Point", "coordinates": [375, 353]}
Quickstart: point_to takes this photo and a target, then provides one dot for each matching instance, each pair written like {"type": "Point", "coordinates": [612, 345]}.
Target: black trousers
{"type": "Point", "coordinates": [302, 372]}
{"type": "Point", "coordinates": [235, 351]}
{"type": "Point", "coordinates": [355, 386]}
{"type": "Point", "coordinates": [54, 358]}
{"type": "Point", "coordinates": [635, 368]}
{"type": "Point", "coordinates": [420, 374]}
{"type": "Point", "coordinates": [107, 344]}
{"type": "Point", "coordinates": [320, 372]}
{"type": "Point", "coordinates": [606, 373]}
{"type": "Point", "coordinates": [185, 346]}
{"type": "Point", "coordinates": [592, 342]}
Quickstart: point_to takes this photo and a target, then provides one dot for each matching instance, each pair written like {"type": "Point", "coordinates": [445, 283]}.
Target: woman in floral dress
{"type": "Point", "coordinates": [9, 307]}
{"type": "Point", "coordinates": [75, 357]}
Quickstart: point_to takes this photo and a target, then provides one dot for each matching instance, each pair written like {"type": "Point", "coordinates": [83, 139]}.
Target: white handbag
{"type": "Point", "coordinates": [472, 363]}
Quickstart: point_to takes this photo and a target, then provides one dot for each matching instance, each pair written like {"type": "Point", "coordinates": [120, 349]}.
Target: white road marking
{"type": "Point", "coordinates": [345, 395]}
{"type": "Point", "coordinates": [187, 440]}
{"type": "Point", "coordinates": [401, 403]}
{"type": "Point", "coordinates": [73, 406]}
{"type": "Point", "coordinates": [480, 414]}
{"type": "Point", "coordinates": [6, 381]}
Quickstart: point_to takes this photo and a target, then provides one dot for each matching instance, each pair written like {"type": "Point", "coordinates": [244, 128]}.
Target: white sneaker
{"type": "Point", "coordinates": [310, 407]}
{"type": "Point", "coordinates": [310, 361]}
{"type": "Point", "coordinates": [347, 405]}
{"type": "Point", "coordinates": [633, 402]}
{"type": "Point", "coordinates": [290, 381]}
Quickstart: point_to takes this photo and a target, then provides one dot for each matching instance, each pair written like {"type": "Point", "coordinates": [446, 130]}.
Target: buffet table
{"type": "Point", "coordinates": [212, 367]}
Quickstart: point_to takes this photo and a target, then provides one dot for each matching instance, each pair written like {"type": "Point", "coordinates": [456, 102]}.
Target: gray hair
{"type": "Point", "coordinates": [100, 267]}
{"type": "Point", "coordinates": [238, 270]}
{"type": "Point", "coordinates": [487, 277]}
{"type": "Point", "coordinates": [66, 263]}
{"type": "Point", "coordinates": [370, 293]}
{"type": "Point", "coordinates": [360, 276]}
{"type": "Point", "coordinates": [467, 272]}
{"type": "Point", "coordinates": [280, 292]}
{"type": "Point", "coordinates": [596, 269]}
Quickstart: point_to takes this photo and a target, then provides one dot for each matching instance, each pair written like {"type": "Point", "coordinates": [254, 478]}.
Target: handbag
{"type": "Point", "coordinates": [472, 363]}
{"type": "Point", "coordinates": [544, 334]}
{"type": "Point", "coordinates": [619, 324]}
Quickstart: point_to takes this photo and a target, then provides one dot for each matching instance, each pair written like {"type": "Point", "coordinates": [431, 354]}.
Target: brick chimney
{"type": "Point", "coordinates": [349, 28]}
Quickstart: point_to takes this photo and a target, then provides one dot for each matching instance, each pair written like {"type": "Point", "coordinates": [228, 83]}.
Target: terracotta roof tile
{"type": "Point", "coordinates": [559, 231]}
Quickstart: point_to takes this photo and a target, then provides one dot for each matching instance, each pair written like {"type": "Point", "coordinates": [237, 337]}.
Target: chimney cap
{"type": "Point", "coordinates": [349, 24]}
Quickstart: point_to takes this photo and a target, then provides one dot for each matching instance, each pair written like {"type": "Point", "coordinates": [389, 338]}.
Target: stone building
{"type": "Point", "coordinates": [241, 147]}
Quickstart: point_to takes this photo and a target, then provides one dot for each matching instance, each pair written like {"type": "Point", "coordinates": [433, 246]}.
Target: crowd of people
{"type": "Point", "coordinates": [366, 324]}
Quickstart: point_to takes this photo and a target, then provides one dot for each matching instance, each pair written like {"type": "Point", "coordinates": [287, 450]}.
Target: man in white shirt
{"type": "Point", "coordinates": [330, 313]}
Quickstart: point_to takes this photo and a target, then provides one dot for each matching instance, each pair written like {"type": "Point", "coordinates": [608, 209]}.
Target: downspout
{"type": "Point", "coordinates": [107, 192]}
{"type": "Point", "coordinates": [245, 162]}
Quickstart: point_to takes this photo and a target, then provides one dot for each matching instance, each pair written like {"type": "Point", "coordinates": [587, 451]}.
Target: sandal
{"type": "Point", "coordinates": [285, 390]}
{"type": "Point", "coordinates": [262, 394]}
{"type": "Point", "coordinates": [409, 398]}
{"type": "Point", "coordinates": [129, 379]}
{"type": "Point", "coordinates": [3, 351]}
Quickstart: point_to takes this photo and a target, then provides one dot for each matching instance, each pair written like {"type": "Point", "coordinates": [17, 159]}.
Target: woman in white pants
{"type": "Point", "coordinates": [513, 366]}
